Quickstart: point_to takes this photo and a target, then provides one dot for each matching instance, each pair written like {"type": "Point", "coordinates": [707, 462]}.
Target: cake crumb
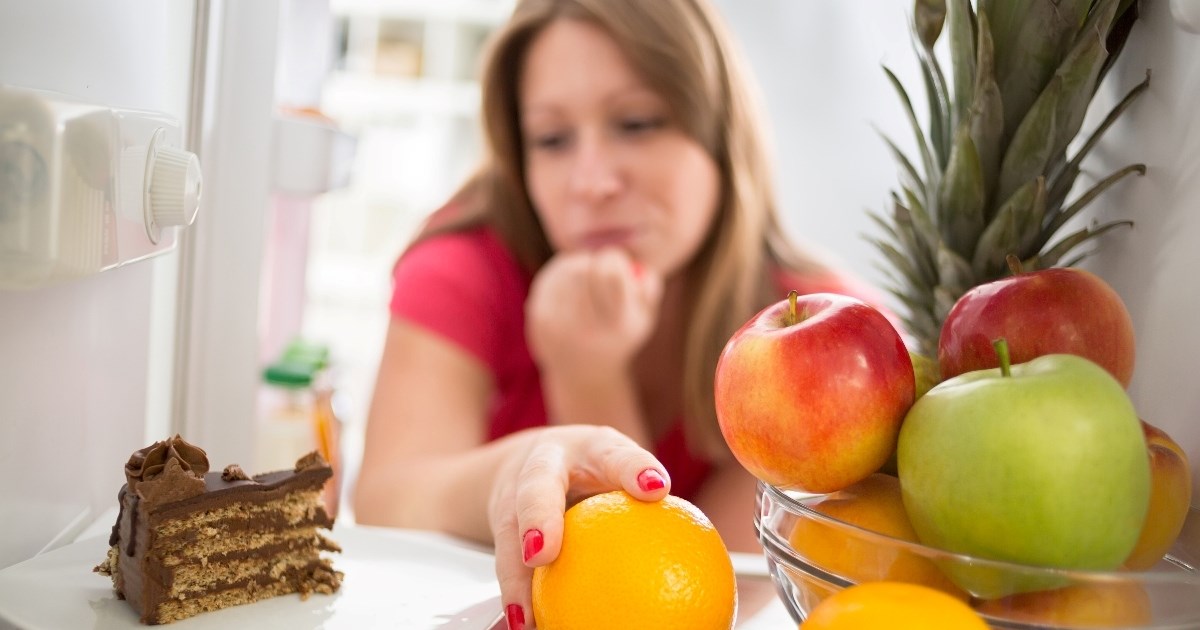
{"type": "Point", "coordinates": [109, 566]}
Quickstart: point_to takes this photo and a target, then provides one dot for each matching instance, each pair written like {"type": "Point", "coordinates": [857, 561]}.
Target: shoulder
{"type": "Point", "coordinates": [474, 256]}
{"type": "Point", "coordinates": [444, 282]}
{"type": "Point", "coordinates": [474, 246]}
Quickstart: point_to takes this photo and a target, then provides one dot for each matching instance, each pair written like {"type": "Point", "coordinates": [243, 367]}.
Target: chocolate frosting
{"type": "Point", "coordinates": [167, 471]}
{"type": "Point", "coordinates": [311, 460]}
{"type": "Point", "coordinates": [233, 472]}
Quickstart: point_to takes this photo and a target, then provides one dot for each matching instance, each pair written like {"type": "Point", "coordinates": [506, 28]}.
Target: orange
{"type": "Point", "coordinates": [632, 564]}
{"type": "Point", "coordinates": [872, 504]}
{"type": "Point", "coordinates": [1100, 605]}
{"type": "Point", "coordinates": [894, 606]}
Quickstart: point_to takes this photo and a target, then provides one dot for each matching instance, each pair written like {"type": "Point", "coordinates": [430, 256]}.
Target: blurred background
{"type": "Point", "coordinates": [402, 81]}
{"type": "Point", "coordinates": [327, 131]}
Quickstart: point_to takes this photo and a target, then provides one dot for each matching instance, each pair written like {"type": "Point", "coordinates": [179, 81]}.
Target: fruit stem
{"type": "Point", "coordinates": [792, 295]}
{"type": "Point", "coordinates": [1014, 264]}
{"type": "Point", "coordinates": [1001, 347]}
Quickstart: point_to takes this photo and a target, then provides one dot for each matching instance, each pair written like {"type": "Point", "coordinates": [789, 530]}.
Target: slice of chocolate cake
{"type": "Point", "coordinates": [189, 541]}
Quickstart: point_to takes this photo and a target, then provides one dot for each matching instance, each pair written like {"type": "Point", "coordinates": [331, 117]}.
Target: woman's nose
{"type": "Point", "coordinates": [595, 174]}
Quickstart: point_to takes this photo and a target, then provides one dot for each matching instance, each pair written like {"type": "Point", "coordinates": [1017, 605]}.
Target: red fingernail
{"type": "Point", "coordinates": [515, 616]}
{"type": "Point", "coordinates": [650, 479]}
{"type": "Point", "coordinates": [533, 542]}
{"type": "Point", "coordinates": [637, 269]}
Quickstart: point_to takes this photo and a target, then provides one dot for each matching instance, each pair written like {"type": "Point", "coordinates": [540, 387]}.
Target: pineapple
{"type": "Point", "coordinates": [995, 172]}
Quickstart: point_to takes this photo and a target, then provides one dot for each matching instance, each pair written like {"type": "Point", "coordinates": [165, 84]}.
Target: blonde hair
{"type": "Point", "coordinates": [681, 48]}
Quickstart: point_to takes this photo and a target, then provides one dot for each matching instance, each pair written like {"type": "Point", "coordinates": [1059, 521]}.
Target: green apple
{"type": "Point", "coordinates": [926, 372]}
{"type": "Point", "coordinates": [1042, 464]}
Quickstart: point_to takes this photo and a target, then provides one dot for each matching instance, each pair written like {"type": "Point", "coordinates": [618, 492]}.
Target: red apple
{"type": "Point", "coordinates": [810, 393]}
{"type": "Point", "coordinates": [1170, 498]}
{"type": "Point", "coordinates": [1052, 311]}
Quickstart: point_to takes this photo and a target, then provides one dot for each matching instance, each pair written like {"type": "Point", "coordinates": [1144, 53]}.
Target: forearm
{"type": "Point", "coordinates": [610, 401]}
{"type": "Point", "coordinates": [447, 493]}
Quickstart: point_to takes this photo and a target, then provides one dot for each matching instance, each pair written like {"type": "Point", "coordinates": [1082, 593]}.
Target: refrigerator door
{"type": "Point", "coordinates": [87, 362]}
{"type": "Point", "coordinates": [87, 187]}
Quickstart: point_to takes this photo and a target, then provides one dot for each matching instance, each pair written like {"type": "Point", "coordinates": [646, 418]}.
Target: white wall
{"type": "Point", "coordinates": [819, 68]}
{"type": "Point", "coordinates": [818, 65]}
{"type": "Point", "coordinates": [1156, 265]}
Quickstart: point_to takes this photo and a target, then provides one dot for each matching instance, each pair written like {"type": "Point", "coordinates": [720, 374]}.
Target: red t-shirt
{"type": "Point", "coordinates": [468, 288]}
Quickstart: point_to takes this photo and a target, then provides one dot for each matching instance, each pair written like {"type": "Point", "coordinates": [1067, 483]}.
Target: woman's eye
{"type": "Point", "coordinates": [549, 141]}
{"type": "Point", "coordinates": [637, 125]}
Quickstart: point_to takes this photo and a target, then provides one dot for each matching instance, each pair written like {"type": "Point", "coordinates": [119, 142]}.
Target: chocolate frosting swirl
{"type": "Point", "coordinates": [174, 459]}
{"type": "Point", "coordinates": [233, 472]}
{"type": "Point", "coordinates": [311, 460]}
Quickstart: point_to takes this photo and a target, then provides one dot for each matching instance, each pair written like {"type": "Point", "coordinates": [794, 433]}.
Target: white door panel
{"type": "Point", "coordinates": [75, 380]}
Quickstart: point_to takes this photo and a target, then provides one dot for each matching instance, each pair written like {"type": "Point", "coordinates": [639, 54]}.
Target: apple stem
{"type": "Point", "coordinates": [792, 317]}
{"type": "Point", "coordinates": [1014, 264]}
{"type": "Point", "coordinates": [1001, 347]}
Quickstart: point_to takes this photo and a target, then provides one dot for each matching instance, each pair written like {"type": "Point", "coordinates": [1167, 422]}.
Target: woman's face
{"type": "Point", "coordinates": [605, 163]}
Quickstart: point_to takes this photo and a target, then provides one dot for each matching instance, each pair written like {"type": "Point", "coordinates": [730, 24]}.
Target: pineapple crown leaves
{"type": "Point", "coordinates": [994, 174]}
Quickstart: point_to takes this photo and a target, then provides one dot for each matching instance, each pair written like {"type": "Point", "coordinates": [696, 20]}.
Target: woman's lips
{"type": "Point", "coordinates": [615, 237]}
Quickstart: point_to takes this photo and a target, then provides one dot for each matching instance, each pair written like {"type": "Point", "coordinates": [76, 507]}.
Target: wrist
{"type": "Point", "coordinates": [601, 398]}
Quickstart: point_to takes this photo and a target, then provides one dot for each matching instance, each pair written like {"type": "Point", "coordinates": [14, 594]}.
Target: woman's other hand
{"type": "Point", "coordinates": [589, 312]}
{"type": "Point", "coordinates": [533, 487]}
{"type": "Point", "coordinates": [587, 315]}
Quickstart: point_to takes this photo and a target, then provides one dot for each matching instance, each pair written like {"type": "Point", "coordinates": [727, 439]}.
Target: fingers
{"type": "Point", "coordinates": [649, 288]}
{"type": "Point", "coordinates": [618, 282]}
{"type": "Point", "coordinates": [596, 459]}
{"type": "Point", "coordinates": [513, 576]}
{"type": "Point", "coordinates": [623, 464]}
{"type": "Point", "coordinates": [610, 278]}
{"type": "Point", "coordinates": [602, 284]}
{"type": "Point", "coordinates": [541, 499]}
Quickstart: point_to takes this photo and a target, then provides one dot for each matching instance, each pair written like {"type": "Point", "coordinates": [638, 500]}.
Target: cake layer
{"type": "Point", "coordinates": [300, 490]}
{"type": "Point", "coordinates": [212, 542]}
{"type": "Point", "coordinates": [304, 581]}
{"type": "Point", "coordinates": [191, 580]}
{"type": "Point", "coordinates": [246, 544]}
{"type": "Point", "coordinates": [299, 509]}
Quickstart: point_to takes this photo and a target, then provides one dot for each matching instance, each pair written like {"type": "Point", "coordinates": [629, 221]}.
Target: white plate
{"type": "Point", "coordinates": [394, 579]}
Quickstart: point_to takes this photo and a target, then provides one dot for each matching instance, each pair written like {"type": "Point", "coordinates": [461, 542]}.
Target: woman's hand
{"type": "Point", "coordinates": [587, 315]}
{"type": "Point", "coordinates": [589, 312]}
{"type": "Point", "coordinates": [533, 486]}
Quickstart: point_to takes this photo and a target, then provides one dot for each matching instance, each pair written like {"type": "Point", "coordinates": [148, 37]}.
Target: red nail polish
{"type": "Point", "coordinates": [515, 616]}
{"type": "Point", "coordinates": [532, 542]}
{"type": "Point", "coordinates": [650, 479]}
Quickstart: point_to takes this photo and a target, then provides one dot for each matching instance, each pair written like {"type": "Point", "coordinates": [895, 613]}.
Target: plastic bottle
{"type": "Point", "coordinates": [285, 427]}
{"type": "Point", "coordinates": [298, 415]}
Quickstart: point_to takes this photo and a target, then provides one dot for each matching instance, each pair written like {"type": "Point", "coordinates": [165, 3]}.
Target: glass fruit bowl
{"type": "Point", "coordinates": [812, 555]}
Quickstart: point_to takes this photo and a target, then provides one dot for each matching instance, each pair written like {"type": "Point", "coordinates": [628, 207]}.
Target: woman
{"type": "Point", "coordinates": [556, 327]}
